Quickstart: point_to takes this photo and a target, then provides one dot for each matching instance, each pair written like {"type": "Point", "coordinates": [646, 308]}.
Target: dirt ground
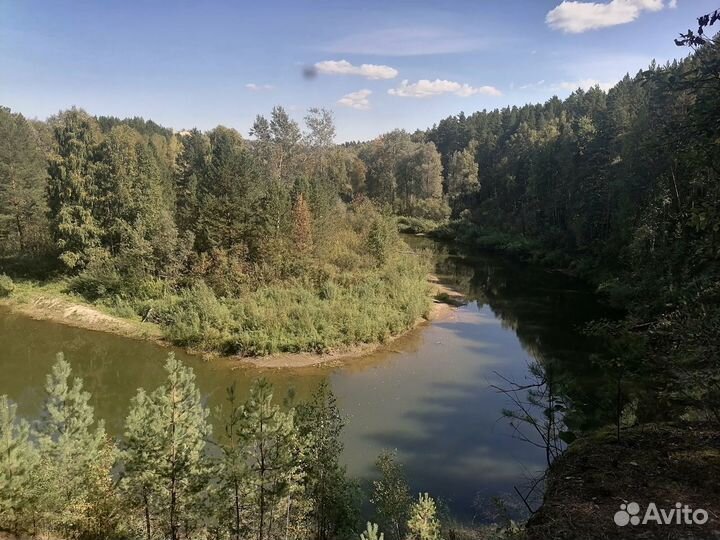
{"type": "Point", "coordinates": [660, 463]}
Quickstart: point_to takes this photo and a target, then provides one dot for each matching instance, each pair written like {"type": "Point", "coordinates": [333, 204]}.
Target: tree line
{"type": "Point", "coordinates": [620, 187]}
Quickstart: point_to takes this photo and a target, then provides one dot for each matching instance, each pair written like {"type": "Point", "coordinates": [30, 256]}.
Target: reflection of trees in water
{"type": "Point", "coordinates": [548, 312]}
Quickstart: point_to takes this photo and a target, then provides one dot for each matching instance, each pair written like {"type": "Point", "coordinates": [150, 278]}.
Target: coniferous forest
{"type": "Point", "coordinates": [283, 241]}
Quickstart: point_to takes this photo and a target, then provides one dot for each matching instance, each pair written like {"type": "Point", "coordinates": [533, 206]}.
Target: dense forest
{"type": "Point", "coordinates": [239, 246]}
{"type": "Point", "coordinates": [621, 188]}
{"type": "Point", "coordinates": [287, 242]}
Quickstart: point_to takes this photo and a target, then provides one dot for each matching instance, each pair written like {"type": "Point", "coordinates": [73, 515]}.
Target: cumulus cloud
{"type": "Point", "coordinates": [426, 88]}
{"type": "Point", "coordinates": [356, 100]}
{"type": "Point", "coordinates": [575, 17]}
{"type": "Point", "coordinates": [369, 71]}
{"type": "Point", "coordinates": [259, 87]}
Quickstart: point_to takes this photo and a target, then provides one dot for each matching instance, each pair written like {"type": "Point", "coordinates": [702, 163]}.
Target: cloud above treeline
{"type": "Point", "coordinates": [356, 100]}
{"type": "Point", "coordinates": [575, 17]}
{"type": "Point", "coordinates": [427, 88]}
{"type": "Point", "coordinates": [368, 71]}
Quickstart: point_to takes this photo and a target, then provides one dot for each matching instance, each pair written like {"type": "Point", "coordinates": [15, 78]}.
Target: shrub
{"type": "Point", "coordinates": [6, 286]}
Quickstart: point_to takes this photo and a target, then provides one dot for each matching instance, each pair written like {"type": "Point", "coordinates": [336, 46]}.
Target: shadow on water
{"type": "Point", "coordinates": [429, 396]}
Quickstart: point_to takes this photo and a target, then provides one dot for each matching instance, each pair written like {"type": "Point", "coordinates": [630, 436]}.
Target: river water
{"type": "Point", "coordinates": [429, 397]}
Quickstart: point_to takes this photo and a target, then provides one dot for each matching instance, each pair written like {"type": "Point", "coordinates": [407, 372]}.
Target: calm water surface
{"type": "Point", "coordinates": [429, 397]}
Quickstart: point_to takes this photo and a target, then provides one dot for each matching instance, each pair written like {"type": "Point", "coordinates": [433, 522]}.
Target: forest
{"type": "Point", "coordinates": [243, 247]}
{"type": "Point", "coordinates": [284, 241]}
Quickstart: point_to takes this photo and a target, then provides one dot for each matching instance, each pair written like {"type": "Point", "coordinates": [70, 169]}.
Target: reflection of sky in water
{"type": "Point", "coordinates": [429, 397]}
{"type": "Point", "coordinates": [436, 407]}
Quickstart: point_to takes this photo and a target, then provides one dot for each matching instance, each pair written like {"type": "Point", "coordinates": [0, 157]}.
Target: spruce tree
{"type": "Point", "coordinates": [164, 454]}
{"type": "Point", "coordinates": [18, 458]}
{"type": "Point", "coordinates": [71, 189]}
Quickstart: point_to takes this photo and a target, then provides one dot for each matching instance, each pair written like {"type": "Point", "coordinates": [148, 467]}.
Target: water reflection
{"type": "Point", "coordinates": [429, 397]}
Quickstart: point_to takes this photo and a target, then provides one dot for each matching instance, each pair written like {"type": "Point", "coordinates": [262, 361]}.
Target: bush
{"type": "Point", "coordinates": [6, 286]}
{"type": "Point", "coordinates": [195, 317]}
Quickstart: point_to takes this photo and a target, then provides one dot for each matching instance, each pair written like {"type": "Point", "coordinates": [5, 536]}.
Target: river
{"type": "Point", "coordinates": [429, 396]}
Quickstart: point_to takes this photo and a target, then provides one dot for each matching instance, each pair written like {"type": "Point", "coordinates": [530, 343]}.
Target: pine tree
{"type": "Point", "coordinates": [333, 496]}
{"type": "Point", "coordinates": [270, 442]}
{"type": "Point", "coordinates": [18, 458]}
{"type": "Point", "coordinates": [232, 468]}
{"type": "Point", "coordinates": [424, 523]}
{"type": "Point", "coordinates": [166, 434]}
{"type": "Point", "coordinates": [142, 457]}
{"type": "Point", "coordinates": [74, 475]}
{"type": "Point", "coordinates": [371, 532]}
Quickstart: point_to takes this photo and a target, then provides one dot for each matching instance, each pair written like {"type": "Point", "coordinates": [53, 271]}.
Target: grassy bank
{"type": "Point", "coordinates": [292, 316]}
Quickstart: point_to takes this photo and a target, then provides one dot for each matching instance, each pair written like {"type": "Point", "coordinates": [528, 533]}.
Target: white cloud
{"type": "Point", "coordinates": [405, 41]}
{"type": "Point", "coordinates": [575, 17]}
{"type": "Point", "coordinates": [672, 4]}
{"type": "Point", "coordinates": [369, 71]}
{"type": "Point", "coordinates": [425, 88]}
{"type": "Point", "coordinates": [259, 87]}
{"type": "Point", "coordinates": [356, 100]}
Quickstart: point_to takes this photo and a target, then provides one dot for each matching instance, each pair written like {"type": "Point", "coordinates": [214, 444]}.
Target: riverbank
{"type": "Point", "coordinates": [49, 302]}
{"type": "Point", "coordinates": [664, 464]}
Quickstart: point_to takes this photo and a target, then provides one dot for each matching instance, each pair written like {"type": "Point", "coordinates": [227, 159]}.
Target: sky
{"type": "Point", "coordinates": [378, 65]}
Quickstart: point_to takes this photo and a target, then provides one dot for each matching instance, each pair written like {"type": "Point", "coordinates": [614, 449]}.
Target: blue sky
{"type": "Point", "coordinates": [379, 65]}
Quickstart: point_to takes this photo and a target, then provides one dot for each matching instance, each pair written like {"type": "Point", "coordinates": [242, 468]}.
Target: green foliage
{"type": "Point", "coordinates": [71, 191]}
{"type": "Point", "coordinates": [73, 478]}
{"type": "Point", "coordinates": [18, 459]}
{"type": "Point", "coordinates": [273, 472]}
{"type": "Point", "coordinates": [23, 171]}
{"type": "Point", "coordinates": [335, 500]}
{"type": "Point", "coordinates": [6, 286]}
{"type": "Point", "coordinates": [424, 523]}
{"type": "Point", "coordinates": [164, 455]}
{"type": "Point", "coordinates": [402, 173]}
{"type": "Point", "coordinates": [391, 497]}
{"type": "Point", "coordinates": [274, 478]}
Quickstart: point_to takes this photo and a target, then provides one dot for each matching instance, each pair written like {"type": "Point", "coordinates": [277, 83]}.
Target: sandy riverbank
{"type": "Point", "coordinates": [61, 309]}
